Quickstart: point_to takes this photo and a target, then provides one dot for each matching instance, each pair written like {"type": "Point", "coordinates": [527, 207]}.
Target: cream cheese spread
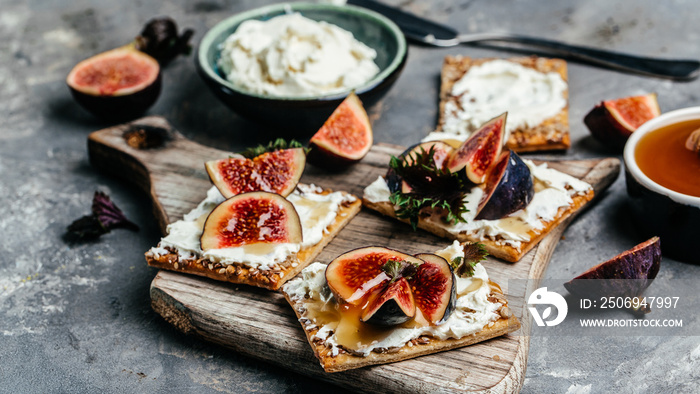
{"type": "Point", "coordinates": [473, 311]}
{"type": "Point", "coordinates": [293, 56]}
{"type": "Point", "coordinates": [553, 190]}
{"type": "Point", "coordinates": [492, 88]}
{"type": "Point", "coordinates": [316, 212]}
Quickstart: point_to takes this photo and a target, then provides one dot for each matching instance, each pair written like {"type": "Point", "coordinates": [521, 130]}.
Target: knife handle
{"type": "Point", "coordinates": [676, 69]}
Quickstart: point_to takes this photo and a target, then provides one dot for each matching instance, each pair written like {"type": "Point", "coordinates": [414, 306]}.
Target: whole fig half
{"type": "Point", "coordinates": [116, 85]}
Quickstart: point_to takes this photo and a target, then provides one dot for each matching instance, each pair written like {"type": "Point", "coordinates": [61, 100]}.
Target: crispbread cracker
{"type": "Point", "coordinates": [420, 346]}
{"type": "Point", "coordinates": [241, 273]}
{"type": "Point", "coordinates": [500, 250]}
{"type": "Point", "coordinates": [551, 134]}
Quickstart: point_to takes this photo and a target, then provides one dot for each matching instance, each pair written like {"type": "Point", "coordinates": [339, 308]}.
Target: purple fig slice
{"type": "Point", "coordinates": [434, 287]}
{"type": "Point", "coordinates": [613, 121]}
{"type": "Point", "coordinates": [273, 172]}
{"type": "Point", "coordinates": [345, 138]}
{"type": "Point", "coordinates": [391, 305]}
{"type": "Point", "coordinates": [119, 84]}
{"type": "Point", "coordinates": [508, 188]}
{"type": "Point", "coordinates": [251, 218]}
{"type": "Point", "coordinates": [478, 153]}
{"type": "Point", "coordinates": [354, 275]}
{"type": "Point", "coordinates": [628, 274]}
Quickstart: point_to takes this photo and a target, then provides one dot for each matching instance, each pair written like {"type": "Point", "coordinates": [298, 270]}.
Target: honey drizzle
{"type": "Point", "coordinates": [351, 333]}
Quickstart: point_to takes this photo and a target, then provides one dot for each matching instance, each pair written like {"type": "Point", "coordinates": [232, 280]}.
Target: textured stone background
{"type": "Point", "coordinates": [76, 317]}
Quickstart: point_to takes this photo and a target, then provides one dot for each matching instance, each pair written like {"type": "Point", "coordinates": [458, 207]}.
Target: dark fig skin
{"type": "Point", "coordinates": [509, 188]}
{"type": "Point", "coordinates": [627, 274]}
{"type": "Point", "coordinates": [452, 300]}
{"type": "Point", "coordinates": [119, 108]}
{"type": "Point", "coordinates": [389, 314]}
{"type": "Point", "coordinates": [393, 181]}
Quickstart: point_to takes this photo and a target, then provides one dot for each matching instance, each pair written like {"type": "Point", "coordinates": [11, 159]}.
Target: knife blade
{"type": "Point", "coordinates": [431, 33]}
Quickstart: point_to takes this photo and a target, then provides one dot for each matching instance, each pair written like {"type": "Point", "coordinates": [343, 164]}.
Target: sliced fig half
{"type": "Point", "coordinates": [508, 188]}
{"type": "Point", "coordinates": [613, 121]}
{"type": "Point", "coordinates": [274, 172]}
{"type": "Point", "coordinates": [628, 274]}
{"type": "Point", "coordinates": [390, 296]}
{"type": "Point", "coordinates": [345, 138]}
{"type": "Point", "coordinates": [434, 288]}
{"type": "Point", "coordinates": [118, 84]}
{"type": "Point", "coordinates": [354, 275]}
{"type": "Point", "coordinates": [390, 305]}
{"type": "Point", "coordinates": [251, 218]}
{"type": "Point", "coordinates": [480, 150]}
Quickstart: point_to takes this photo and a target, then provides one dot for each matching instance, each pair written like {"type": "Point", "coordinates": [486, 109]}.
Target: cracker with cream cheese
{"type": "Point", "coordinates": [481, 313]}
{"type": "Point", "coordinates": [323, 214]}
{"type": "Point", "coordinates": [557, 196]}
{"type": "Point", "coordinates": [541, 122]}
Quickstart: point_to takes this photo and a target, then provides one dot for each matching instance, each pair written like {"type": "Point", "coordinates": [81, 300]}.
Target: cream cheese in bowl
{"type": "Point", "coordinates": [291, 55]}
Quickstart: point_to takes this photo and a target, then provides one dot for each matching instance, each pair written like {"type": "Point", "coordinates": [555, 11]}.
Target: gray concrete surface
{"type": "Point", "coordinates": [76, 317]}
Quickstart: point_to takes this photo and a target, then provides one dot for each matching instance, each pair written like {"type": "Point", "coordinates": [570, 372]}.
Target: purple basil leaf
{"type": "Point", "coordinates": [108, 214]}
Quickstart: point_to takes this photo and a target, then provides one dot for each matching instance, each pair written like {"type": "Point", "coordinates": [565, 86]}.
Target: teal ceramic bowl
{"type": "Point", "coordinates": [305, 114]}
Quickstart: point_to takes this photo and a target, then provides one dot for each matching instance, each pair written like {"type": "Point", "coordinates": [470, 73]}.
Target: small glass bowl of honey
{"type": "Point", "coordinates": [663, 182]}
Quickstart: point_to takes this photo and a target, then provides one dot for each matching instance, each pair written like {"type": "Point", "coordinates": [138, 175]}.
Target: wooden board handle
{"type": "Point", "coordinates": [151, 154]}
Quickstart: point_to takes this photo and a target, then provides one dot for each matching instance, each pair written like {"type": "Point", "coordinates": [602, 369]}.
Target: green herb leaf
{"type": "Point", "coordinates": [431, 187]}
{"type": "Point", "coordinates": [399, 269]}
{"type": "Point", "coordinates": [272, 146]}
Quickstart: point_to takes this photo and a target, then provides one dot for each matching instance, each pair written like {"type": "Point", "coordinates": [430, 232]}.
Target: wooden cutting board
{"type": "Point", "coordinates": [260, 323]}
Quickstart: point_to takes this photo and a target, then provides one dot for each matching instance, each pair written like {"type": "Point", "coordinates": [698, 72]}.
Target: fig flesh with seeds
{"type": "Point", "coordinates": [392, 286]}
{"type": "Point", "coordinates": [627, 275]}
{"type": "Point", "coordinates": [345, 138]}
{"type": "Point", "coordinates": [251, 218]}
{"type": "Point", "coordinates": [613, 121]}
{"type": "Point", "coordinates": [435, 273]}
{"type": "Point", "coordinates": [508, 188]}
{"type": "Point", "coordinates": [478, 153]}
{"type": "Point", "coordinates": [273, 172]}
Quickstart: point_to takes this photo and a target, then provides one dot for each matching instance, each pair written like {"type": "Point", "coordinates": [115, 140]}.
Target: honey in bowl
{"type": "Point", "coordinates": [663, 157]}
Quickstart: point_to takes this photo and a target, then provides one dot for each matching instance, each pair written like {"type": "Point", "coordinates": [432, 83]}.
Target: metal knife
{"type": "Point", "coordinates": [431, 33]}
